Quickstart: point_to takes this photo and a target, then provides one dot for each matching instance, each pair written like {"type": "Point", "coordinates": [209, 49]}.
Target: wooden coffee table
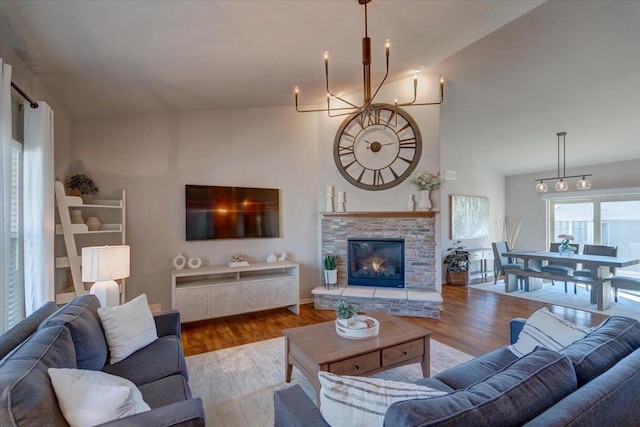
{"type": "Point", "coordinates": [318, 347]}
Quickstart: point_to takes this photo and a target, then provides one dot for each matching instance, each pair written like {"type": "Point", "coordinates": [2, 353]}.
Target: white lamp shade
{"type": "Point", "coordinates": [100, 263]}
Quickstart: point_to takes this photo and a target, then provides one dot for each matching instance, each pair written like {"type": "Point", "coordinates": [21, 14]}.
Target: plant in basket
{"type": "Point", "coordinates": [457, 263]}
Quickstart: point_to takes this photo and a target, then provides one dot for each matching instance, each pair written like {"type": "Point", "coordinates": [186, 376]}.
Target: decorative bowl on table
{"type": "Point", "coordinates": [359, 328]}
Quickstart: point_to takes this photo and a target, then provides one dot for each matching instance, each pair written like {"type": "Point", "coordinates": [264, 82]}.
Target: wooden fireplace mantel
{"type": "Point", "coordinates": [407, 214]}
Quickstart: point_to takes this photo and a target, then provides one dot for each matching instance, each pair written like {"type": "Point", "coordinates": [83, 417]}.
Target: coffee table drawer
{"type": "Point", "coordinates": [356, 365]}
{"type": "Point", "coordinates": [402, 352]}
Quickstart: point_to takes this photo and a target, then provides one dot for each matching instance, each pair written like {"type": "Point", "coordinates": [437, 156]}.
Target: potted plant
{"type": "Point", "coordinates": [345, 311]}
{"type": "Point", "coordinates": [83, 186]}
{"type": "Point", "coordinates": [330, 269]}
{"type": "Point", "coordinates": [457, 262]}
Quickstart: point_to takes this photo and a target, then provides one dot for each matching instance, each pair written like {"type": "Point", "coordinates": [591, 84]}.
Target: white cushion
{"type": "Point", "coordinates": [128, 327]}
{"type": "Point", "coordinates": [547, 330]}
{"type": "Point", "coordinates": [88, 398]}
{"type": "Point", "coordinates": [361, 401]}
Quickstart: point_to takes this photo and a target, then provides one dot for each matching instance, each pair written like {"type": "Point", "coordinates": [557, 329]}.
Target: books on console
{"type": "Point", "coordinates": [238, 264]}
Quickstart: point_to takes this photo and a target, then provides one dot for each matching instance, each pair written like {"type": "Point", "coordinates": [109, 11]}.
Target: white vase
{"type": "Point", "coordinates": [344, 322]}
{"type": "Point", "coordinates": [93, 222]}
{"type": "Point", "coordinates": [411, 204]}
{"type": "Point", "coordinates": [194, 262]}
{"type": "Point", "coordinates": [331, 277]}
{"type": "Point", "coordinates": [76, 216]}
{"type": "Point", "coordinates": [179, 261]}
{"type": "Point", "coordinates": [424, 203]}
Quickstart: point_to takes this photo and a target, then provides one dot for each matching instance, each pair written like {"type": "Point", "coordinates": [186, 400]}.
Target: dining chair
{"type": "Point", "coordinates": [500, 262]}
{"type": "Point", "coordinates": [595, 250]}
{"type": "Point", "coordinates": [562, 268]}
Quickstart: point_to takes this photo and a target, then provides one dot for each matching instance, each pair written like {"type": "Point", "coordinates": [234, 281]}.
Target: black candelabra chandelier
{"type": "Point", "coordinates": [367, 107]}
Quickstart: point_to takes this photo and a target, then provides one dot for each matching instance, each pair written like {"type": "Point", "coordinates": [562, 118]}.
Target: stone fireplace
{"type": "Point", "coordinates": [417, 229]}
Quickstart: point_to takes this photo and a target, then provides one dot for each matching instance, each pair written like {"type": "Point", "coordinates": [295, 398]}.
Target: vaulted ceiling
{"type": "Point", "coordinates": [519, 71]}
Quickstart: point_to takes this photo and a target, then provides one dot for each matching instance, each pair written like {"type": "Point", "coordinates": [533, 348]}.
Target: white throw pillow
{"type": "Point", "coordinates": [128, 327]}
{"type": "Point", "coordinates": [547, 330]}
{"type": "Point", "coordinates": [361, 401]}
{"type": "Point", "coordinates": [88, 398]}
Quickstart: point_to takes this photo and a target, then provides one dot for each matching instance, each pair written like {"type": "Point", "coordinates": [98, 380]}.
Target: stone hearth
{"type": "Point", "coordinates": [419, 298]}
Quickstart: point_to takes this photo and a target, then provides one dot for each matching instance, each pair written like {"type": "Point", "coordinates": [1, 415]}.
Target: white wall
{"type": "Point", "coordinates": [154, 156]}
{"type": "Point", "coordinates": [524, 202]}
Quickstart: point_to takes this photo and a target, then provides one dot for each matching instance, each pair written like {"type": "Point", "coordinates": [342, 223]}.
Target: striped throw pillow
{"type": "Point", "coordinates": [547, 330]}
{"type": "Point", "coordinates": [360, 401]}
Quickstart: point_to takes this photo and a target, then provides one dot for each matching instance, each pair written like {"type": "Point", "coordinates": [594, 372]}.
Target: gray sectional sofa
{"type": "Point", "coordinates": [72, 337]}
{"type": "Point", "coordinates": [592, 382]}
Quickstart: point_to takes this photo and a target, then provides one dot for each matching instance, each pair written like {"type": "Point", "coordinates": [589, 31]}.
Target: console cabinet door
{"type": "Point", "coordinates": [193, 303]}
{"type": "Point", "coordinates": [284, 291]}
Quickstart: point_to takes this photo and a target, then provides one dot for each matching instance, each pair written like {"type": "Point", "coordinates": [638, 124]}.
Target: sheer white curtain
{"type": "Point", "coordinates": [5, 191]}
{"type": "Point", "coordinates": [39, 226]}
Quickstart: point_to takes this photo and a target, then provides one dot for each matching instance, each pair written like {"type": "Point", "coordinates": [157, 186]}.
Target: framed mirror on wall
{"type": "Point", "coordinates": [469, 217]}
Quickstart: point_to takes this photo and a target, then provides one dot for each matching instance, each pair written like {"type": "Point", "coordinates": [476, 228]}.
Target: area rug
{"type": "Point", "coordinates": [237, 384]}
{"type": "Point", "coordinates": [628, 305]}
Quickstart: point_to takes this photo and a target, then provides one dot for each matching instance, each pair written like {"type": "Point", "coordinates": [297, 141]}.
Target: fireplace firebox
{"type": "Point", "coordinates": [376, 262]}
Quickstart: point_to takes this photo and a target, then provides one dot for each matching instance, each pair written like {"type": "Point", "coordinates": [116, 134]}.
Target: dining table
{"type": "Point", "coordinates": [601, 268]}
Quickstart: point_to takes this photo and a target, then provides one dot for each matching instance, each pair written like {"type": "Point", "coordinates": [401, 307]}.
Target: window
{"type": "Point", "coordinates": [15, 295]}
{"type": "Point", "coordinates": [612, 220]}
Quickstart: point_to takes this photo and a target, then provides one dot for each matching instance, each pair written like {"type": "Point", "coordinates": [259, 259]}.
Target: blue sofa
{"type": "Point", "coordinates": [592, 382]}
{"type": "Point", "coordinates": [72, 337]}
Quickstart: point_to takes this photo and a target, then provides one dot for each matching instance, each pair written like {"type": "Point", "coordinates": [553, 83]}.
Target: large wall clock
{"type": "Point", "coordinates": [379, 150]}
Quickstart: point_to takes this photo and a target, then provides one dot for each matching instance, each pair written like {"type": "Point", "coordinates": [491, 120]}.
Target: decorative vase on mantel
{"type": "Point", "coordinates": [424, 201]}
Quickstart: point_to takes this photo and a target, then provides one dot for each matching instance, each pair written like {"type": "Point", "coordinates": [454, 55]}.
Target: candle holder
{"type": "Point", "coordinates": [329, 207]}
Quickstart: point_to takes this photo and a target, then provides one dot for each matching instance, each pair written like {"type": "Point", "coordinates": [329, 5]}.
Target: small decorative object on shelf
{"type": "Point", "coordinates": [426, 183]}
{"type": "Point", "coordinates": [341, 202]}
{"type": "Point", "coordinates": [84, 187]}
{"type": "Point", "coordinates": [236, 260]}
{"type": "Point", "coordinates": [329, 207]}
{"type": "Point", "coordinates": [76, 216]}
{"type": "Point", "coordinates": [330, 270]}
{"type": "Point", "coordinates": [272, 257]}
{"type": "Point", "coordinates": [411, 203]}
{"type": "Point", "coordinates": [283, 257]}
{"type": "Point", "coordinates": [179, 261]}
{"type": "Point", "coordinates": [457, 262]}
{"type": "Point", "coordinates": [93, 222]}
{"type": "Point", "coordinates": [194, 262]}
{"type": "Point", "coordinates": [565, 248]}
{"type": "Point", "coordinates": [345, 310]}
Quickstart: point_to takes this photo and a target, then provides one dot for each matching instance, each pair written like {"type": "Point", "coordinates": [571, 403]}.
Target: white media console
{"type": "Point", "coordinates": [217, 291]}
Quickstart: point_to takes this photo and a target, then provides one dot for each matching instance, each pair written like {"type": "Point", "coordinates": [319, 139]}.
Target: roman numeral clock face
{"type": "Point", "coordinates": [378, 150]}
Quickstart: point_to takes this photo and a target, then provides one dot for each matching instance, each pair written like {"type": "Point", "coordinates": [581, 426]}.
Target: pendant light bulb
{"type": "Point", "coordinates": [542, 187]}
{"type": "Point", "coordinates": [584, 184]}
{"type": "Point", "coordinates": [561, 185]}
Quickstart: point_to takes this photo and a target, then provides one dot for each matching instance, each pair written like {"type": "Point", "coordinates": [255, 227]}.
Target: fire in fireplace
{"type": "Point", "coordinates": [376, 262]}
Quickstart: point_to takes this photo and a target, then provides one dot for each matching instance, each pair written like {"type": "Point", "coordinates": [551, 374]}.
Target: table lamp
{"type": "Point", "coordinates": [104, 265]}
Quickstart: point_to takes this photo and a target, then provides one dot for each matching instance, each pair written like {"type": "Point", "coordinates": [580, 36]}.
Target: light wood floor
{"type": "Point", "coordinates": [472, 320]}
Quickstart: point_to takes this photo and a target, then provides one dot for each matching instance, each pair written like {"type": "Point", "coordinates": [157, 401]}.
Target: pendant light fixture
{"type": "Point", "coordinates": [367, 108]}
{"type": "Point", "coordinates": [561, 185]}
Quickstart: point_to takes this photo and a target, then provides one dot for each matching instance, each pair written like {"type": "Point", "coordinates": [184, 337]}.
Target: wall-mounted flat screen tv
{"type": "Point", "coordinates": [231, 212]}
